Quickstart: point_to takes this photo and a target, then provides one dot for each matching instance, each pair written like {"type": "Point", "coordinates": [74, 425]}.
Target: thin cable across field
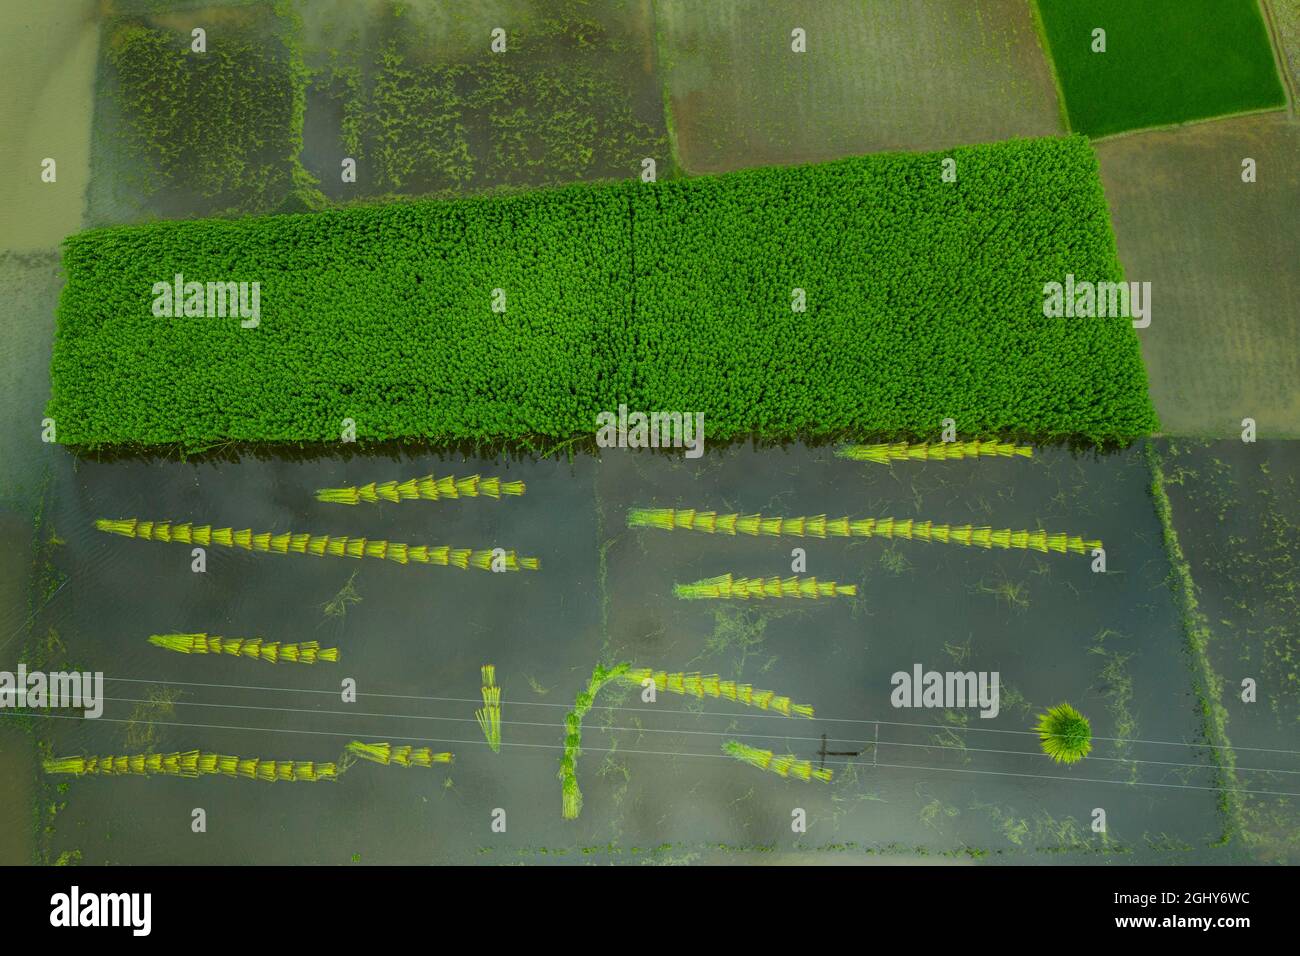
{"type": "Point", "coordinates": [688, 713]}
{"type": "Point", "coordinates": [701, 733]}
{"type": "Point", "coordinates": [663, 753]}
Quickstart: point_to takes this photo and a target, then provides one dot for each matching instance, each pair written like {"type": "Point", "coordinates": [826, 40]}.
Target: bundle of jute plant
{"type": "Point", "coordinates": [937, 451]}
{"type": "Point", "coordinates": [427, 488]}
{"type": "Point", "coordinates": [403, 755]}
{"type": "Point", "coordinates": [787, 765]}
{"type": "Point", "coordinates": [198, 763]}
{"type": "Point", "coordinates": [1064, 733]}
{"type": "Point", "coordinates": [701, 686]}
{"type": "Point", "coordinates": [306, 652]}
{"type": "Point", "coordinates": [819, 526]}
{"type": "Point", "coordinates": [489, 718]}
{"type": "Point", "coordinates": [319, 545]}
{"type": "Point", "coordinates": [727, 587]}
{"type": "Point", "coordinates": [195, 763]}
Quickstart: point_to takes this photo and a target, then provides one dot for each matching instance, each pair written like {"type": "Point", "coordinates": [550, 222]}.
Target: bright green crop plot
{"type": "Point", "coordinates": [924, 301]}
{"type": "Point", "coordinates": [381, 314]}
{"type": "Point", "coordinates": [1166, 61]}
{"type": "Point", "coordinates": [920, 295]}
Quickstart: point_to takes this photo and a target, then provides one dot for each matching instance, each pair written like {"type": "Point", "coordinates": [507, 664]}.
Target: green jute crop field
{"type": "Point", "coordinates": [861, 297]}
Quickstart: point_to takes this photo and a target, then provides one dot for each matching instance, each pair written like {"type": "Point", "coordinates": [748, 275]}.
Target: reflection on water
{"type": "Point", "coordinates": [17, 776]}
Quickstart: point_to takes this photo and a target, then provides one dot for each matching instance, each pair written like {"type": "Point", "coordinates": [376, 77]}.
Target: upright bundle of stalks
{"type": "Point", "coordinates": [940, 451]}
{"type": "Point", "coordinates": [195, 763]}
{"type": "Point", "coordinates": [698, 686]}
{"type": "Point", "coordinates": [571, 795]}
{"type": "Point", "coordinates": [319, 545]}
{"type": "Point", "coordinates": [725, 586]}
{"type": "Point", "coordinates": [1065, 734]}
{"type": "Point", "coordinates": [489, 718]}
{"type": "Point", "coordinates": [307, 652]}
{"type": "Point", "coordinates": [404, 756]}
{"type": "Point", "coordinates": [427, 488]}
{"type": "Point", "coordinates": [820, 526]}
{"type": "Point", "coordinates": [786, 765]}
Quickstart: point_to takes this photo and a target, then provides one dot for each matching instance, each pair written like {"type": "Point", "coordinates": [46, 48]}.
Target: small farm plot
{"type": "Point", "coordinates": [455, 98]}
{"type": "Point", "coordinates": [940, 778]}
{"type": "Point", "coordinates": [413, 637]}
{"type": "Point", "coordinates": [180, 131]}
{"type": "Point", "coordinates": [867, 295]}
{"type": "Point", "coordinates": [887, 75]}
{"type": "Point", "coordinates": [1236, 508]}
{"type": "Point", "coordinates": [404, 341]}
{"type": "Point", "coordinates": [1223, 260]}
{"type": "Point", "coordinates": [1124, 66]}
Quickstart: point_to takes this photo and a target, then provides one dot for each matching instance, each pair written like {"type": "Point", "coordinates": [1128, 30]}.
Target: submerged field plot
{"type": "Point", "coordinates": [178, 132]}
{"type": "Point", "coordinates": [49, 54]}
{"type": "Point", "coordinates": [413, 98]}
{"type": "Point", "coordinates": [1236, 509]}
{"type": "Point", "coordinates": [941, 778]}
{"type": "Point", "coordinates": [456, 98]}
{"type": "Point", "coordinates": [866, 296]}
{"type": "Point", "coordinates": [416, 651]}
{"type": "Point", "coordinates": [1159, 62]}
{"type": "Point", "coordinates": [1283, 19]}
{"type": "Point", "coordinates": [926, 781]}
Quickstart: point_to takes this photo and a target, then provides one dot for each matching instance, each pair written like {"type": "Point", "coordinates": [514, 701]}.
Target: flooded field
{"type": "Point", "coordinates": [441, 100]}
{"type": "Point", "coordinates": [29, 284]}
{"type": "Point", "coordinates": [49, 56]}
{"type": "Point", "coordinates": [909, 784]}
{"type": "Point", "coordinates": [19, 772]}
{"type": "Point", "coordinates": [413, 638]}
{"type": "Point", "coordinates": [1237, 510]}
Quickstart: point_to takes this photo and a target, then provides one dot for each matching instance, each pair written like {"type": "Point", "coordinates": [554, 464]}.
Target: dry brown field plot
{"type": "Point", "coordinates": [889, 75]}
{"type": "Point", "coordinates": [1223, 258]}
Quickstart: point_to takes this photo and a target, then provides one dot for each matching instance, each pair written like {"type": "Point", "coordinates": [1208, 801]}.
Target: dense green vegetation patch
{"type": "Point", "coordinates": [379, 314]}
{"type": "Point", "coordinates": [1165, 61]}
{"type": "Point", "coordinates": [923, 298]}
{"type": "Point", "coordinates": [924, 301]}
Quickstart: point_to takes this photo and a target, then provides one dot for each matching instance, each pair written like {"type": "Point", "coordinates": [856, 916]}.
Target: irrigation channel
{"type": "Point", "coordinates": [414, 638]}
